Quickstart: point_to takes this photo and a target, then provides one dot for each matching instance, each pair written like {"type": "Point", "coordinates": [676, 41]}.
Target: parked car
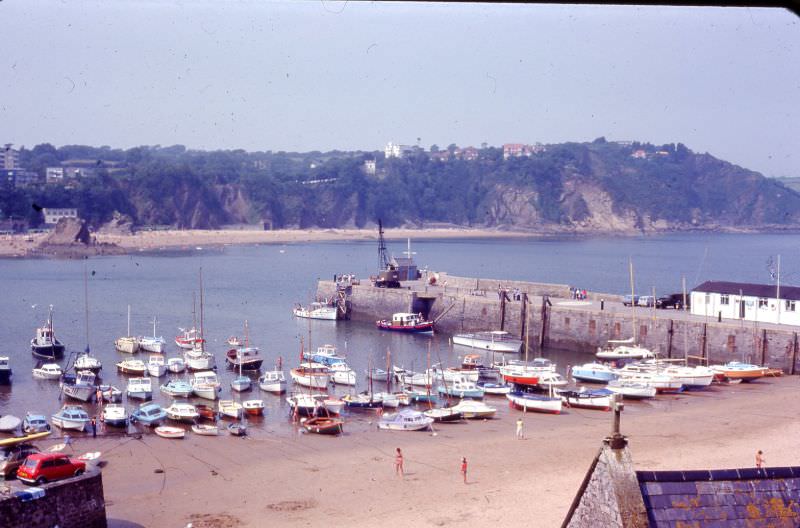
{"type": "Point", "coordinates": [47, 467]}
{"type": "Point", "coordinates": [11, 458]}
{"type": "Point", "coordinates": [672, 301]}
{"type": "Point", "coordinates": [630, 300]}
{"type": "Point", "coordinates": [646, 301]}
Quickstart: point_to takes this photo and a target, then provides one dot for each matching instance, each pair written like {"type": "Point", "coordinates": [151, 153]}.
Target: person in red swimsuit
{"type": "Point", "coordinates": [398, 463]}
{"type": "Point", "coordinates": [464, 468]}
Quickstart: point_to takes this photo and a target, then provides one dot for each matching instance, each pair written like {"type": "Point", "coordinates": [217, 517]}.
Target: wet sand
{"type": "Point", "coordinates": [275, 477]}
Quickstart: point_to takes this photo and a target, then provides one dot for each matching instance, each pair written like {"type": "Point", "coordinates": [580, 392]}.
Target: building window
{"type": "Point", "coordinates": [790, 306]}
{"type": "Point", "coordinates": [762, 302]}
{"type": "Point", "coordinates": [723, 299]}
{"type": "Point", "coordinates": [708, 298]}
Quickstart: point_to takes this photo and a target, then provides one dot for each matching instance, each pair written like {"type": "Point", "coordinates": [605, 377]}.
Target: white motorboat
{"type": "Point", "coordinates": [528, 401]}
{"type": "Point", "coordinates": [166, 431]}
{"type": "Point", "coordinates": [316, 310]}
{"type": "Point", "coordinates": [377, 374]}
{"type": "Point", "coordinates": [623, 349]}
{"type": "Point", "coordinates": [205, 429]}
{"type": "Point", "coordinates": [132, 366]}
{"type": "Point", "coordinates": [494, 388]}
{"type": "Point", "coordinates": [312, 375]}
{"type": "Point", "coordinates": [115, 415]}
{"type": "Point", "coordinates": [495, 340]}
{"type": "Point", "coordinates": [631, 389]}
{"type": "Point", "coordinates": [405, 420]}
{"type": "Point", "coordinates": [153, 344]}
{"type": "Point", "coordinates": [456, 374]}
{"type": "Point", "coordinates": [177, 388]}
{"type": "Point", "coordinates": [176, 365]}
{"type": "Point", "coordinates": [156, 366]}
{"type": "Point", "coordinates": [140, 388]}
{"type": "Point", "coordinates": [80, 387]}
{"type": "Point", "coordinates": [48, 371]}
{"type": "Point", "coordinates": [341, 374]}
{"type": "Point", "coordinates": [474, 409]}
{"type": "Point", "coordinates": [253, 407]}
{"type": "Point", "coordinates": [9, 423]}
{"type": "Point", "coordinates": [71, 417]}
{"type": "Point", "coordinates": [241, 383]}
{"type": "Point", "coordinates": [417, 379]}
{"type": "Point", "coordinates": [86, 361]}
{"type": "Point", "coordinates": [182, 412]}
{"type": "Point", "coordinates": [230, 409]}
{"type": "Point", "coordinates": [659, 380]}
{"type": "Point", "coordinates": [552, 379]}
{"type": "Point", "coordinates": [599, 399]}
{"type": "Point", "coordinates": [109, 393]}
{"type": "Point", "coordinates": [461, 388]}
{"type": "Point", "coordinates": [206, 385]}
{"type": "Point", "coordinates": [593, 372]}
{"type": "Point", "coordinates": [272, 381]}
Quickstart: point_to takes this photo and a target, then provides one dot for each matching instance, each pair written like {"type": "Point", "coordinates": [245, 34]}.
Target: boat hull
{"type": "Point", "coordinates": [472, 341]}
{"type": "Point", "coordinates": [166, 431]}
{"type": "Point", "coordinates": [312, 381]}
{"type": "Point", "coordinates": [326, 426]}
{"type": "Point", "coordinates": [53, 351]}
{"type": "Point", "coordinates": [534, 403]}
{"type": "Point", "coordinates": [420, 328]}
{"type": "Point", "coordinates": [325, 314]}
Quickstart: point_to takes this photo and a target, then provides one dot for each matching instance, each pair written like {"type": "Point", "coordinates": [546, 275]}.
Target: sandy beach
{"type": "Point", "coordinates": [21, 245]}
{"type": "Point", "coordinates": [281, 477]}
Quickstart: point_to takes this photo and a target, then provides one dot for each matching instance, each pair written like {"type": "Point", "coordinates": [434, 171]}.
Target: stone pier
{"type": "Point", "coordinates": [547, 316]}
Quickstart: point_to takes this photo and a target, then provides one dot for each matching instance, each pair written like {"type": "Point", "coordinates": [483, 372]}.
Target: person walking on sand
{"type": "Point", "coordinates": [94, 426]}
{"type": "Point", "coordinates": [520, 424]}
{"type": "Point", "coordinates": [464, 468]}
{"type": "Point", "coordinates": [760, 460]}
{"type": "Point", "coordinates": [398, 463]}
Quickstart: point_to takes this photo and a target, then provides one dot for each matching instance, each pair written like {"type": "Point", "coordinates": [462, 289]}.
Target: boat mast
{"type": "Point", "coordinates": [202, 339]}
{"type": "Point", "coordinates": [129, 320]}
{"type": "Point", "coordinates": [85, 303]}
{"type": "Point", "coordinates": [633, 300]}
{"type": "Point", "coordinates": [389, 370]}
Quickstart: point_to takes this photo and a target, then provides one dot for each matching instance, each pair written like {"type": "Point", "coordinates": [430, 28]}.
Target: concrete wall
{"type": "Point", "coordinates": [72, 503]}
{"type": "Point", "coordinates": [579, 327]}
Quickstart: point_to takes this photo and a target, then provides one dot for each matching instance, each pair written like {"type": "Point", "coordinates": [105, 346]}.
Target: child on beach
{"type": "Point", "coordinates": [464, 468]}
{"type": "Point", "coordinates": [760, 460]}
{"type": "Point", "coordinates": [398, 463]}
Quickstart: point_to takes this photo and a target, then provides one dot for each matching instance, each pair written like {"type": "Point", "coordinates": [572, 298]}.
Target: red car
{"type": "Point", "coordinates": [47, 467]}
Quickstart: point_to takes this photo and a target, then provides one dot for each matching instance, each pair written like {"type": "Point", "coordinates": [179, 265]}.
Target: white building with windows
{"type": "Point", "coordinates": [52, 216]}
{"type": "Point", "coordinates": [750, 302]}
{"type": "Point", "coordinates": [393, 150]}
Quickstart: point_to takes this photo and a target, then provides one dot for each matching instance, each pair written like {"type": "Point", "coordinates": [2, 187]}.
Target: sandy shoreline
{"type": "Point", "coordinates": [22, 245]}
{"type": "Point", "coordinates": [309, 480]}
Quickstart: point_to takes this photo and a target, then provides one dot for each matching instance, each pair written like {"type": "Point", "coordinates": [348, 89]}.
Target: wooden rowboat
{"type": "Point", "coordinates": [324, 425]}
{"type": "Point", "coordinates": [237, 429]}
{"type": "Point", "coordinates": [166, 431]}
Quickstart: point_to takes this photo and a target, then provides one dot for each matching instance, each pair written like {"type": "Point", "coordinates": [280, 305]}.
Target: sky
{"type": "Point", "coordinates": [356, 75]}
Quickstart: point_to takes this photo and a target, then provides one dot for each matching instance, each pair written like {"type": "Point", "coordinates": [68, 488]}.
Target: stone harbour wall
{"type": "Point", "coordinates": [464, 305]}
{"type": "Point", "coordinates": [72, 503]}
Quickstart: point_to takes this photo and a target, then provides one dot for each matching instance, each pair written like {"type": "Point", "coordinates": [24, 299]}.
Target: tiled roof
{"type": "Point", "coordinates": [752, 290]}
{"type": "Point", "coordinates": [724, 498]}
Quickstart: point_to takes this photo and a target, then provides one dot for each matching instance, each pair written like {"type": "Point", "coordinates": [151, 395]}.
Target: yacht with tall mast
{"type": "Point", "coordinates": [127, 344]}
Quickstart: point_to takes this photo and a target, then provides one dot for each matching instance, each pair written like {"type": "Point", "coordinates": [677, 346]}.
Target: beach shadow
{"type": "Point", "coordinates": [121, 523]}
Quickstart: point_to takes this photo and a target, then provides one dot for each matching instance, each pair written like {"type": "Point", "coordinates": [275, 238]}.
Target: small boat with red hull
{"type": "Point", "coordinates": [410, 323]}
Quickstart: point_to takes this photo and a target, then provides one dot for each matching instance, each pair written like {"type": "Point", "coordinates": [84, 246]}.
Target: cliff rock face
{"type": "Point", "coordinates": [69, 231]}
